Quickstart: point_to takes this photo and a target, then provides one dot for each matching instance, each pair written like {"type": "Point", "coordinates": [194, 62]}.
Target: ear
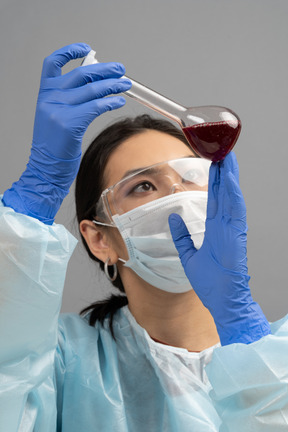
{"type": "Point", "coordinates": [98, 241]}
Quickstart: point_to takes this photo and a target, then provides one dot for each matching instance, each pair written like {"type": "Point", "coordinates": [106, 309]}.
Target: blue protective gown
{"type": "Point", "coordinates": [60, 374]}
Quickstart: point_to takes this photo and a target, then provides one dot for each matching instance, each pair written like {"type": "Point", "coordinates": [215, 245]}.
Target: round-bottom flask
{"type": "Point", "coordinates": [212, 131]}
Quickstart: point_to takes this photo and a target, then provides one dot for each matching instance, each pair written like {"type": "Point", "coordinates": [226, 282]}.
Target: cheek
{"type": "Point", "coordinates": [117, 243]}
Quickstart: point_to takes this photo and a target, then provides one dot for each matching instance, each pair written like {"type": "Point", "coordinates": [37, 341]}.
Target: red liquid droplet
{"type": "Point", "coordinates": [213, 140]}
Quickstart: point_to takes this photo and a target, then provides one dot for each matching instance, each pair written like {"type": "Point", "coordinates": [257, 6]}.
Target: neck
{"type": "Point", "coordinates": [178, 320]}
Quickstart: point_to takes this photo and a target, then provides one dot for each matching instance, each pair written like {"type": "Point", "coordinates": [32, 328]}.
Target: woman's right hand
{"type": "Point", "coordinates": [66, 106]}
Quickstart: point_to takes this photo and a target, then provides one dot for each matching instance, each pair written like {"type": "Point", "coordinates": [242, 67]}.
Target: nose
{"type": "Point", "coordinates": [176, 187]}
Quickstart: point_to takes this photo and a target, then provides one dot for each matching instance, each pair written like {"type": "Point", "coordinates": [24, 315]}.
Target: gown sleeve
{"type": "Point", "coordinates": [250, 383]}
{"type": "Point", "coordinates": [33, 263]}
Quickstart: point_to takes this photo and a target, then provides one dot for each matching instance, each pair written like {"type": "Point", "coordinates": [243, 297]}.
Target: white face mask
{"type": "Point", "coordinates": [145, 230]}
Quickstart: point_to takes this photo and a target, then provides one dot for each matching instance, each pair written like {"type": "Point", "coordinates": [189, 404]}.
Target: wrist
{"type": "Point", "coordinates": [251, 326]}
{"type": "Point", "coordinates": [35, 197]}
{"type": "Point", "coordinates": [41, 202]}
{"type": "Point", "coordinates": [42, 187]}
{"type": "Point", "coordinates": [54, 171]}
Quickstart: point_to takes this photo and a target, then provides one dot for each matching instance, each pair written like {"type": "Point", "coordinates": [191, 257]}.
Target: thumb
{"type": "Point", "coordinates": [181, 238]}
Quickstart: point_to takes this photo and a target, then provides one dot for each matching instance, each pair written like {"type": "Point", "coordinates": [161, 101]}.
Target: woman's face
{"type": "Point", "coordinates": [140, 151]}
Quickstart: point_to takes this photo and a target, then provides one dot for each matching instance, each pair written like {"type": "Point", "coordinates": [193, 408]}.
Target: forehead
{"type": "Point", "coordinates": [142, 150]}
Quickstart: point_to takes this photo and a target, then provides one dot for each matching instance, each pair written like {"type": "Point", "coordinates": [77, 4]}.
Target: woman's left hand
{"type": "Point", "coordinates": [218, 270]}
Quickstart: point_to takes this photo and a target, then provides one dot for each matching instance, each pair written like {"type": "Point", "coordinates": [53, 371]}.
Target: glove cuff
{"type": "Point", "coordinates": [251, 327]}
{"type": "Point", "coordinates": [33, 197]}
{"type": "Point", "coordinates": [42, 187]}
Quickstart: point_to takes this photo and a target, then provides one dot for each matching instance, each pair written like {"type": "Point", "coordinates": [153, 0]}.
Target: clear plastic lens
{"type": "Point", "coordinates": [192, 170]}
{"type": "Point", "coordinates": [151, 183]}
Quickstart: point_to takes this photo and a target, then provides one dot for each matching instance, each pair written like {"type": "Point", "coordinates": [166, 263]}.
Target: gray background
{"type": "Point", "coordinates": [197, 52]}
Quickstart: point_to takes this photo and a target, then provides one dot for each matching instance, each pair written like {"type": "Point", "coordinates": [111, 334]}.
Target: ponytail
{"type": "Point", "coordinates": [108, 307]}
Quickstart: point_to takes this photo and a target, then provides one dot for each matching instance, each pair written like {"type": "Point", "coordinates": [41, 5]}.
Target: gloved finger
{"type": "Point", "coordinates": [234, 166]}
{"type": "Point", "coordinates": [84, 114]}
{"type": "Point", "coordinates": [233, 202]}
{"type": "Point", "coordinates": [237, 206]}
{"type": "Point", "coordinates": [213, 186]}
{"type": "Point", "coordinates": [181, 238]}
{"type": "Point", "coordinates": [230, 164]}
{"type": "Point", "coordinates": [87, 74]}
{"type": "Point", "coordinates": [89, 92]}
{"type": "Point", "coordinates": [53, 63]}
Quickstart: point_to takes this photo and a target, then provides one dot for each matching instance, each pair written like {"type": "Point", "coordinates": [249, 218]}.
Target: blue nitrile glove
{"type": "Point", "coordinates": [66, 105]}
{"type": "Point", "coordinates": [218, 270]}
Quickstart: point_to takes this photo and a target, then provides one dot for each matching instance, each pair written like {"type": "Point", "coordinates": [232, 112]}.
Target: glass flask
{"type": "Point", "coordinates": [212, 131]}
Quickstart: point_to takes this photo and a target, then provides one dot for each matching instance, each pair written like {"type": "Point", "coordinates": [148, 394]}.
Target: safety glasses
{"type": "Point", "coordinates": [150, 183]}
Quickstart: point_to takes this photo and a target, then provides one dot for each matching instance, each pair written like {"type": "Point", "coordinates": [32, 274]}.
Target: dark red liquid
{"type": "Point", "coordinates": [213, 140]}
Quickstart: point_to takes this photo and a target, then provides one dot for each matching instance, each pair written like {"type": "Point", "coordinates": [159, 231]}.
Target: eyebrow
{"type": "Point", "coordinates": [151, 170]}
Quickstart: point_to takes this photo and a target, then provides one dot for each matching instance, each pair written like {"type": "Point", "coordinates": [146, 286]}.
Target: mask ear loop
{"type": "Point", "coordinates": [107, 261]}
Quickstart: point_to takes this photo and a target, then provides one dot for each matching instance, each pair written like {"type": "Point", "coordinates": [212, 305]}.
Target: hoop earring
{"type": "Point", "coordinates": [106, 271]}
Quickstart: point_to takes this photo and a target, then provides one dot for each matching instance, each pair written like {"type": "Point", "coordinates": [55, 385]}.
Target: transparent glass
{"type": "Point", "coordinates": [212, 131]}
{"type": "Point", "coordinates": [151, 183]}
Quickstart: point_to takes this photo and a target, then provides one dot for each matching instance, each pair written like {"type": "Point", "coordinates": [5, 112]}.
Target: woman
{"type": "Point", "coordinates": [156, 363]}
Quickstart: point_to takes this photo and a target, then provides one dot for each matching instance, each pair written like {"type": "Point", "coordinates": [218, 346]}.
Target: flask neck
{"type": "Point", "coordinates": [148, 97]}
{"type": "Point", "coordinates": [156, 101]}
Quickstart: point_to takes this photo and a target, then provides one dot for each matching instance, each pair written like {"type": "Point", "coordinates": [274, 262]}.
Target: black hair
{"type": "Point", "coordinates": [89, 186]}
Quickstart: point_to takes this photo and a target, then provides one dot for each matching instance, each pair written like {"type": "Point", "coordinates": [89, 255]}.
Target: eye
{"type": "Point", "coordinates": [144, 186]}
